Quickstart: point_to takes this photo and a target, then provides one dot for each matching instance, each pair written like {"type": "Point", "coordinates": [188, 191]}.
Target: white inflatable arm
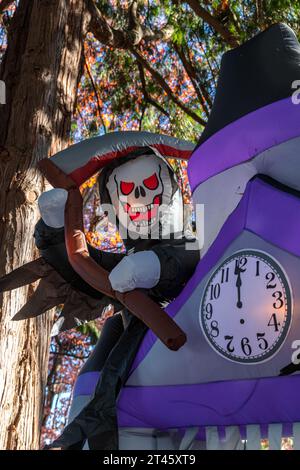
{"type": "Point", "coordinates": [139, 270]}
{"type": "Point", "coordinates": [52, 207]}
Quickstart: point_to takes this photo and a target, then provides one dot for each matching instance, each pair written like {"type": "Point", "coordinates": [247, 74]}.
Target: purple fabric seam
{"type": "Point", "coordinates": [234, 144]}
{"type": "Point", "coordinates": [138, 396]}
{"type": "Point", "coordinates": [256, 401]}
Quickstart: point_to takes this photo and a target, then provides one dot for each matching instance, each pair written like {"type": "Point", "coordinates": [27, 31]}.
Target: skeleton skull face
{"type": "Point", "coordinates": [138, 189]}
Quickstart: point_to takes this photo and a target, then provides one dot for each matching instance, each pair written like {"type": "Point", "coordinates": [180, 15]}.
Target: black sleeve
{"type": "Point", "coordinates": [177, 266]}
{"type": "Point", "coordinates": [51, 243]}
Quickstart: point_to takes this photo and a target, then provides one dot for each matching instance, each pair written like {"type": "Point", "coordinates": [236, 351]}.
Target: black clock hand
{"type": "Point", "coordinates": [238, 284]}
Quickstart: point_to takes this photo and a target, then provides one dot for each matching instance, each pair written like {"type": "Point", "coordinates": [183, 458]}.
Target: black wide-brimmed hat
{"type": "Point", "coordinates": [253, 75]}
{"type": "Point", "coordinates": [253, 128]}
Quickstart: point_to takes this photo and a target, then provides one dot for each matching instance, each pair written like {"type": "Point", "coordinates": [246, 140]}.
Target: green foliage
{"type": "Point", "coordinates": [91, 330]}
{"type": "Point", "coordinates": [125, 103]}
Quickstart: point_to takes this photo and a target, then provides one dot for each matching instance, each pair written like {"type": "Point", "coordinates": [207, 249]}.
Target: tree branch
{"type": "Point", "coordinates": [128, 39]}
{"type": "Point", "coordinates": [75, 356]}
{"type": "Point", "coordinates": [147, 97]}
{"type": "Point", "coordinates": [259, 12]}
{"type": "Point", "coordinates": [122, 39]}
{"type": "Point", "coordinates": [163, 34]}
{"type": "Point", "coordinates": [213, 22]}
{"type": "Point", "coordinates": [198, 81]}
{"type": "Point", "coordinates": [134, 27]}
{"type": "Point", "coordinates": [191, 72]}
{"type": "Point", "coordinates": [82, 117]}
{"type": "Point", "coordinates": [96, 94]}
{"type": "Point", "coordinates": [161, 81]}
{"type": "Point", "coordinates": [110, 36]}
{"type": "Point", "coordinates": [209, 64]}
{"type": "Point", "coordinates": [142, 115]}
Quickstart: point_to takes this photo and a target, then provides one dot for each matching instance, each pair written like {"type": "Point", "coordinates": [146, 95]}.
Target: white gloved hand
{"type": "Point", "coordinates": [139, 270]}
{"type": "Point", "coordinates": [52, 207]}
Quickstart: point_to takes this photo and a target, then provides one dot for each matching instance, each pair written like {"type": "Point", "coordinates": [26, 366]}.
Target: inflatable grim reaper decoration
{"type": "Point", "coordinates": [234, 380]}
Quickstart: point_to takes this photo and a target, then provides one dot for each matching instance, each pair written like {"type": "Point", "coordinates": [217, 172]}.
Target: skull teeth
{"type": "Point", "coordinates": [144, 223]}
{"type": "Point", "coordinates": [142, 209]}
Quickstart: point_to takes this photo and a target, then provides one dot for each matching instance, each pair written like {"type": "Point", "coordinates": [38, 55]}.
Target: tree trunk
{"type": "Point", "coordinates": [41, 69]}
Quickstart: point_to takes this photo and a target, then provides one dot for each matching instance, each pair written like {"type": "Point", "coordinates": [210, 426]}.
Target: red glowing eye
{"type": "Point", "coordinates": [151, 182]}
{"type": "Point", "coordinates": [126, 188]}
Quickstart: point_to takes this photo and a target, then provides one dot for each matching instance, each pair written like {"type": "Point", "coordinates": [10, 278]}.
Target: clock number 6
{"type": "Point", "coordinates": [246, 346]}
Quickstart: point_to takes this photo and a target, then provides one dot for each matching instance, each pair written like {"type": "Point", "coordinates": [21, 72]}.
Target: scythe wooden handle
{"type": "Point", "coordinates": [137, 302]}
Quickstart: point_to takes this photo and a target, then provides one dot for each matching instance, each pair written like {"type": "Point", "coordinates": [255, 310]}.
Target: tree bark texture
{"type": "Point", "coordinates": [41, 69]}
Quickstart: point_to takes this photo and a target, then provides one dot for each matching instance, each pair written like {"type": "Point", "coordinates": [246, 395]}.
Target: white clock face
{"type": "Point", "coordinates": [246, 307]}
